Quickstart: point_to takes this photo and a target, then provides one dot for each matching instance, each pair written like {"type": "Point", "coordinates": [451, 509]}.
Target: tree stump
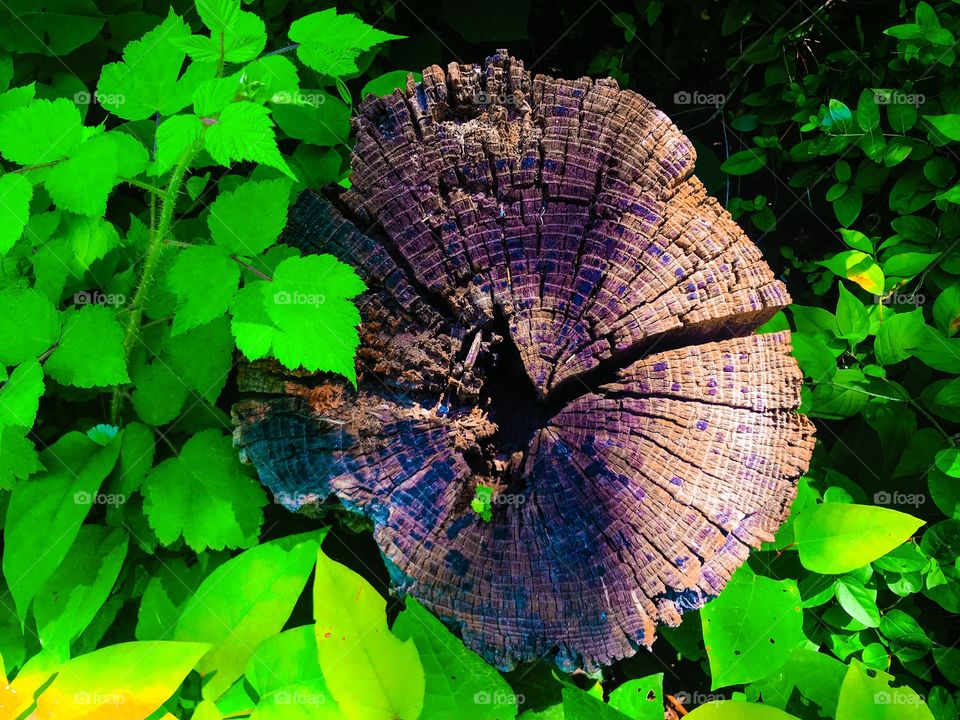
{"type": "Point", "coordinates": [558, 311]}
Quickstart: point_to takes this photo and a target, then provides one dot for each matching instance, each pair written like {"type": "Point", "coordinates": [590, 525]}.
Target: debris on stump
{"type": "Point", "coordinates": [557, 311]}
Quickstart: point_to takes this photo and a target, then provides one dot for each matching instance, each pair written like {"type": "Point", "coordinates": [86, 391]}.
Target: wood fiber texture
{"type": "Point", "coordinates": [559, 311]}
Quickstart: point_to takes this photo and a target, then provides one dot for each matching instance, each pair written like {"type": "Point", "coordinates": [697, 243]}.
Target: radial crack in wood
{"type": "Point", "coordinates": [556, 310]}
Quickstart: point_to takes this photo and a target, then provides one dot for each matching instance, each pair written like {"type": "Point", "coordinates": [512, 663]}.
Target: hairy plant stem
{"type": "Point", "coordinates": [155, 244]}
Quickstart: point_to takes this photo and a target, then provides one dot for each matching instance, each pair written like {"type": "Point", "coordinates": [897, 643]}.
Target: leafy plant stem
{"type": "Point", "coordinates": [158, 233]}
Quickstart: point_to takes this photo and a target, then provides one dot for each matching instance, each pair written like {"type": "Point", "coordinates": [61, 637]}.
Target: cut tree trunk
{"type": "Point", "coordinates": [557, 310]}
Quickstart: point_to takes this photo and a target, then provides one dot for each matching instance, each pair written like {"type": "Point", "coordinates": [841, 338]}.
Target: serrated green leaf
{"type": "Point", "coordinates": [330, 43]}
{"type": "Point", "coordinates": [175, 136]}
{"type": "Point", "coordinates": [148, 79]}
{"type": "Point", "coordinates": [204, 279]}
{"type": "Point", "coordinates": [20, 395]}
{"type": "Point", "coordinates": [29, 324]}
{"type": "Point", "coordinates": [304, 317]}
{"type": "Point", "coordinates": [248, 220]}
{"type": "Point", "coordinates": [244, 131]}
{"type": "Point", "coordinates": [41, 132]}
{"type": "Point", "coordinates": [206, 495]}
{"type": "Point", "coordinates": [15, 195]}
{"type": "Point", "coordinates": [90, 351]}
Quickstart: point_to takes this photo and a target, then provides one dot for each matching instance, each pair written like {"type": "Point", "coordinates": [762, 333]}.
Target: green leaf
{"type": "Point", "coordinates": [899, 335]}
{"type": "Point", "coordinates": [204, 494]}
{"type": "Point", "coordinates": [76, 591]}
{"type": "Point", "coordinates": [859, 603]}
{"type": "Point", "coordinates": [18, 457]}
{"type": "Point", "coordinates": [852, 319]}
{"type": "Point", "coordinates": [868, 112]}
{"type": "Point", "coordinates": [836, 538]}
{"type": "Point", "coordinates": [249, 219]}
{"type": "Point", "coordinates": [734, 710]}
{"type": "Point", "coordinates": [245, 40]}
{"type": "Point", "coordinates": [148, 79]}
{"type": "Point", "coordinates": [20, 395]}
{"type": "Point", "coordinates": [751, 628]}
{"type": "Point", "coordinates": [330, 43]}
{"type": "Point", "coordinates": [29, 324]}
{"type": "Point", "coordinates": [744, 162]}
{"type": "Point", "coordinates": [158, 394]}
{"type": "Point", "coordinates": [244, 131]}
{"type": "Point", "coordinates": [847, 207]}
{"type": "Point", "coordinates": [640, 699]}
{"type": "Point", "coordinates": [218, 15]}
{"type": "Point", "coordinates": [175, 137]}
{"type": "Point", "coordinates": [204, 279]}
{"type": "Point", "coordinates": [288, 658]}
{"type": "Point", "coordinates": [15, 195]}
{"type": "Point", "coordinates": [948, 125]}
{"type": "Point", "coordinates": [902, 630]}
{"type": "Point", "coordinates": [314, 117]}
{"type": "Point", "coordinates": [858, 267]}
{"type": "Point", "coordinates": [866, 697]}
{"type": "Point", "coordinates": [90, 352]}
{"type": "Point", "coordinates": [212, 342]}
{"type": "Point", "coordinates": [358, 653]}
{"type": "Point", "coordinates": [102, 681]}
{"type": "Point", "coordinates": [580, 705]}
{"type": "Point", "coordinates": [82, 182]}
{"type": "Point", "coordinates": [47, 512]}
{"type": "Point", "coordinates": [455, 676]}
{"type": "Point", "coordinates": [167, 593]}
{"type": "Point", "coordinates": [946, 310]}
{"type": "Point", "coordinates": [242, 603]}
{"type": "Point", "coordinates": [908, 264]}
{"type": "Point", "coordinates": [304, 316]}
{"type": "Point", "coordinates": [948, 662]}
{"type": "Point", "coordinates": [385, 84]}
{"type": "Point", "coordinates": [41, 132]}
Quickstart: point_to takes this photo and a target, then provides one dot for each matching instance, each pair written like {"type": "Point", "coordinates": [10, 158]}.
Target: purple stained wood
{"type": "Point", "coordinates": [559, 311]}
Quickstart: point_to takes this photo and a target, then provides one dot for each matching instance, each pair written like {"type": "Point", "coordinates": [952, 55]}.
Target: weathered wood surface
{"type": "Point", "coordinates": [556, 309]}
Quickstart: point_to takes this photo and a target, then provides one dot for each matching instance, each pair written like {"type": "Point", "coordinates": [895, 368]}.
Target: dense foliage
{"type": "Point", "coordinates": [149, 155]}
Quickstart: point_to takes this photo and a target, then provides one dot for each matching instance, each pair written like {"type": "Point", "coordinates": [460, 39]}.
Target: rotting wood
{"type": "Point", "coordinates": [558, 310]}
